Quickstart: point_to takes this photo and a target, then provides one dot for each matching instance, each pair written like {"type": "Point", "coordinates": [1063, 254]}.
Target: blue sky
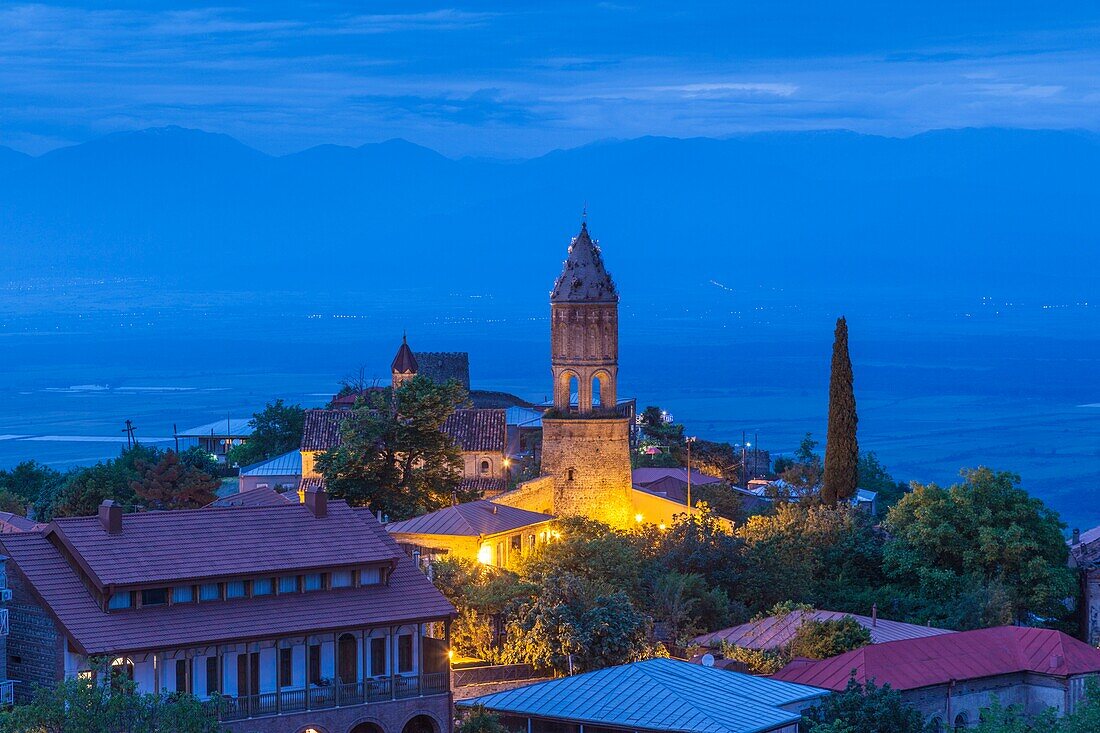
{"type": "Point", "coordinates": [518, 79]}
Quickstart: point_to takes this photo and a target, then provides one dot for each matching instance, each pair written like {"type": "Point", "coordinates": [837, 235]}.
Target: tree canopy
{"type": "Point", "coordinates": [840, 478]}
{"type": "Point", "coordinates": [866, 709]}
{"type": "Point", "coordinates": [982, 552]}
{"type": "Point", "coordinates": [276, 429]}
{"type": "Point", "coordinates": [393, 455]}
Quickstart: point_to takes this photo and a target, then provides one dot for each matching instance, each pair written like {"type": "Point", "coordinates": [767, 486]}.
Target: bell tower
{"type": "Point", "coordinates": [584, 331]}
{"type": "Point", "coordinates": [404, 364]}
{"type": "Point", "coordinates": [585, 442]}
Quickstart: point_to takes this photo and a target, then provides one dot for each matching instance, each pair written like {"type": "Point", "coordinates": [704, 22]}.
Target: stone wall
{"type": "Point", "coordinates": [35, 647]}
{"type": "Point", "coordinates": [589, 462]}
{"type": "Point", "coordinates": [390, 717]}
{"type": "Point", "coordinates": [1034, 693]}
{"type": "Point", "coordinates": [536, 495]}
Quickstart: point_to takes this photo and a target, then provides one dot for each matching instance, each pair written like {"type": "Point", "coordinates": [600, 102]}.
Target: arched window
{"type": "Point", "coordinates": [597, 391]}
{"type": "Point", "coordinates": [420, 724]}
{"type": "Point", "coordinates": [569, 474]}
{"type": "Point", "coordinates": [348, 656]}
{"type": "Point", "coordinates": [122, 670]}
{"type": "Point", "coordinates": [961, 722]}
{"type": "Point", "coordinates": [936, 725]}
{"type": "Point", "coordinates": [485, 467]}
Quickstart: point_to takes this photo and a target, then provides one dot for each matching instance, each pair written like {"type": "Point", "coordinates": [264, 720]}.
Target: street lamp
{"type": "Point", "coordinates": [688, 441]}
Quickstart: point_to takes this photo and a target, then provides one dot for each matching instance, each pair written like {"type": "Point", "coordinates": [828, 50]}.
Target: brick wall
{"type": "Point", "coordinates": [390, 717]}
{"type": "Point", "coordinates": [35, 648]}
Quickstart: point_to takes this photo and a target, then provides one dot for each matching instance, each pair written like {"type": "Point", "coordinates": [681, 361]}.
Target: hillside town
{"type": "Point", "coordinates": [419, 556]}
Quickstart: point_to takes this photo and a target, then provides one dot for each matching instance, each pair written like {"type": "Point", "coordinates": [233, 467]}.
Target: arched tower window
{"type": "Point", "coordinates": [486, 467]}
{"type": "Point", "coordinates": [570, 473]}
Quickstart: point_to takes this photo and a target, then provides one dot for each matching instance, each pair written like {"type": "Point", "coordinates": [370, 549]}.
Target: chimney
{"type": "Point", "coordinates": [110, 516]}
{"type": "Point", "coordinates": [1076, 536]}
{"type": "Point", "coordinates": [494, 508]}
{"type": "Point", "coordinates": [874, 615]}
{"type": "Point", "coordinates": [317, 502]}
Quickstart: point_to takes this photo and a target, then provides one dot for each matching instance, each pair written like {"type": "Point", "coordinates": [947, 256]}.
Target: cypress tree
{"type": "Point", "coordinates": [841, 448]}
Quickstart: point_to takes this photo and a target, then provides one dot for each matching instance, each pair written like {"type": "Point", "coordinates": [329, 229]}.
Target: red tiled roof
{"type": "Point", "coordinates": [483, 486]}
{"type": "Point", "coordinates": [262, 496]}
{"type": "Point", "coordinates": [156, 547]}
{"type": "Point", "coordinates": [936, 660]}
{"type": "Point", "coordinates": [311, 483]}
{"type": "Point", "coordinates": [472, 519]}
{"type": "Point", "coordinates": [409, 596]}
{"type": "Point", "coordinates": [776, 631]}
{"type": "Point", "coordinates": [322, 429]}
{"type": "Point", "coordinates": [478, 430]}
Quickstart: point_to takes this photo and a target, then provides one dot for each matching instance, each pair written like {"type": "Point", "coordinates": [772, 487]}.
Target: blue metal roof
{"type": "Point", "coordinates": [288, 464]}
{"type": "Point", "coordinates": [658, 695]}
{"type": "Point", "coordinates": [524, 417]}
{"type": "Point", "coordinates": [231, 428]}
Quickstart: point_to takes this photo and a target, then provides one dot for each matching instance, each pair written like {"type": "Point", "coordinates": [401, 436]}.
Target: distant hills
{"type": "Point", "coordinates": [973, 210]}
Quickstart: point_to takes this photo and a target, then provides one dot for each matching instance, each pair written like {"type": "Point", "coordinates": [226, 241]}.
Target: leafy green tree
{"type": "Point", "coordinates": [698, 544]}
{"type": "Point", "coordinates": [393, 456]}
{"type": "Point", "coordinates": [276, 429]}
{"type": "Point", "coordinates": [984, 538]}
{"type": "Point", "coordinates": [574, 624]}
{"type": "Point", "coordinates": [481, 594]}
{"type": "Point", "coordinates": [28, 481]}
{"type": "Point", "coordinates": [174, 482]}
{"type": "Point", "coordinates": [840, 478]}
{"type": "Point", "coordinates": [84, 489]}
{"type": "Point", "coordinates": [802, 472]}
{"type": "Point", "coordinates": [688, 606]}
{"type": "Point", "coordinates": [1086, 717]}
{"type": "Point", "coordinates": [873, 476]}
{"type": "Point", "coordinates": [80, 706]}
{"type": "Point", "coordinates": [591, 550]}
{"type": "Point", "coordinates": [824, 639]}
{"type": "Point", "coordinates": [480, 720]}
{"type": "Point", "coordinates": [999, 719]}
{"type": "Point", "coordinates": [864, 708]}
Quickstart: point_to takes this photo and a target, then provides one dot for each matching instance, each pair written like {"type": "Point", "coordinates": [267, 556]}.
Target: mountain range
{"type": "Point", "coordinates": [1012, 213]}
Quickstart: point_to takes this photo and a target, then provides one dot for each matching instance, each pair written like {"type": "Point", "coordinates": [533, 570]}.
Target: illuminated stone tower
{"type": "Point", "coordinates": [585, 443]}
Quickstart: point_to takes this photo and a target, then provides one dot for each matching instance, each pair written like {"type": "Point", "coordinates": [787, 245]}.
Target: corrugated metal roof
{"type": "Point", "coordinates": [937, 660]}
{"type": "Point", "coordinates": [236, 427]}
{"type": "Point", "coordinates": [472, 519]}
{"type": "Point", "coordinates": [776, 631]}
{"type": "Point", "coordinates": [644, 476]}
{"type": "Point", "coordinates": [658, 695]}
{"type": "Point", "coordinates": [288, 464]}
{"type": "Point", "coordinates": [524, 417]}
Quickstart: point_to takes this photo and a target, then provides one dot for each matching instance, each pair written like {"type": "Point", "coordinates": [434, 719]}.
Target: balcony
{"type": "Point", "coordinates": [332, 696]}
{"type": "Point", "coordinates": [7, 693]}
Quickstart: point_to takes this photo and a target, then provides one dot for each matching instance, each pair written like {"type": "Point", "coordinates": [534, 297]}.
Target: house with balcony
{"type": "Point", "coordinates": [286, 617]}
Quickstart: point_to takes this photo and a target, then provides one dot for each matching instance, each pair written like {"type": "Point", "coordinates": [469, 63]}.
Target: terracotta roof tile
{"type": "Point", "coordinates": [965, 655]}
{"type": "Point", "coordinates": [486, 487]}
{"type": "Point", "coordinates": [409, 595]}
{"type": "Point", "coordinates": [156, 547]}
{"type": "Point", "coordinates": [478, 430]}
{"type": "Point", "coordinates": [322, 429]}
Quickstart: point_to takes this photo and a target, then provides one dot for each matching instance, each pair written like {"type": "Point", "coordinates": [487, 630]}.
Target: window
{"type": "Point", "coordinates": [210, 592]}
{"type": "Point", "coordinates": [500, 554]}
{"type": "Point", "coordinates": [531, 541]}
{"type": "Point", "coordinates": [262, 587]}
{"type": "Point", "coordinates": [311, 582]}
{"type": "Point", "coordinates": [405, 653]}
{"type": "Point", "coordinates": [370, 576]}
{"type": "Point", "coordinates": [378, 655]}
{"type": "Point", "coordinates": [569, 474]}
{"type": "Point", "coordinates": [286, 660]}
{"type": "Point", "coordinates": [183, 594]}
{"type": "Point", "coordinates": [183, 674]}
{"type": "Point", "coordinates": [211, 675]}
{"type": "Point", "coordinates": [341, 579]}
{"type": "Point", "coordinates": [120, 600]}
{"type": "Point", "coordinates": [154, 597]}
{"type": "Point", "coordinates": [122, 669]}
{"type": "Point", "coordinates": [235, 589]}
{"type": "Point", "coordinates": [517, 542]}
{"type": "Point", "coordinates": [485, 467]}
{"type": "Point", "coordinates": [314, 664]}
{"type": "Point", "coordinates": [288, 584]}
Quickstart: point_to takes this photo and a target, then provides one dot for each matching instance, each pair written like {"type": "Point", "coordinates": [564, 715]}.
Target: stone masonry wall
{"type": "Point", "coordinates": [589, 461]}
{"type": "Point", "coordinates": [35, 653]}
